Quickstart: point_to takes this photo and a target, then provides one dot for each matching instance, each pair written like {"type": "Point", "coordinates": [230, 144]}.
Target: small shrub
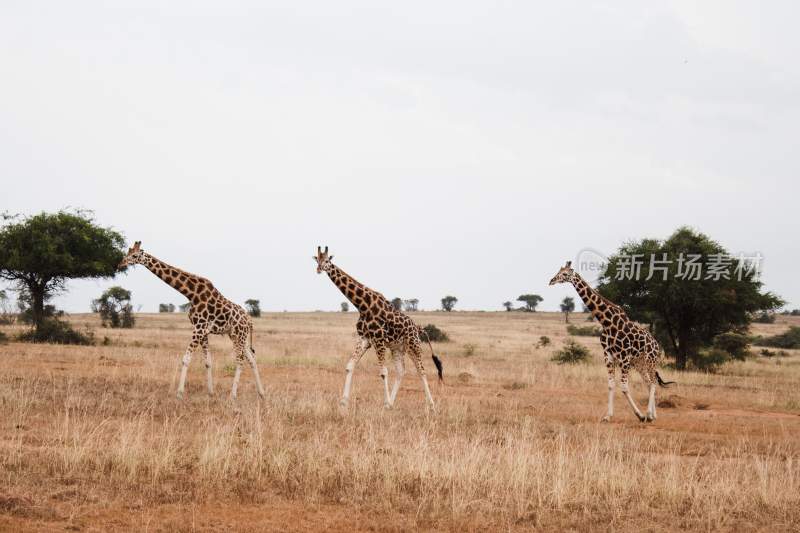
{"type": "Point", "coordinates": [435, 334]}
{"type": "Point", "coordinates": [55, 331]}
{"type": "Point", "coordinates": [571, 353]}
{"type": "Point", "coordinates": [544, 340]}
{"type": "Point", "coordinates": [515, 385]}
{"type": "Point", "coordinates": [735, 344]}
{"type": "Point", "coordinates": [469, 350]}
{"type": "Point", "coordinates": [3, 338]}
{"type": "Point", "coordinates": [583, 331]}
{"type": "Point", "coordinates": [765, 318]}
{"type": "Point", "coordinates": [787, 340]}
{"type": "Point", "coordinates": [711, 360]}
{"type": "Point", "coordinates": [769, 353]}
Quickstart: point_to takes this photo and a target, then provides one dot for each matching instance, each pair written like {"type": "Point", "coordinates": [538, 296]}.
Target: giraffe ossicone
{"type": "Point", "coordinates": [210, 314]}
{"type": "Point", "coordinates": [382, 327]}
{"type": "Point", "coordinates": [625, 343]}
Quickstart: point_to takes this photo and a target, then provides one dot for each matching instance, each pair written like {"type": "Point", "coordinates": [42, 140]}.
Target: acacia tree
{"type": "Point", "coordinates": [411, 304]}
{"type": "Point", "coordinates": [685, 313]}
{"type": "Point", "coordinates": [345, 307]}
{"type": "Point", "coordinates": [397, 303]}
{"type": "Point", "coordinates": [184, 308]}
{"type": "Point", "coordinates": [253, 307]}
{"type": "Point", "coordinates": [40, 253]}
{"type": "Point", "coordinates": [166, 308]}
{"type": "Point", "coordinates": [531, 301]}
{"type": "Point", "coordinates": [567, 306]}
{"type": "Point", "coordinates": [508, 305]}
{"type": "Point", "coordinates": [449, 302]}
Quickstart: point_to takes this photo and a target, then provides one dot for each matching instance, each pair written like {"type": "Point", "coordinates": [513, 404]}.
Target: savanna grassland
{"type": "Point", "coordinates": [93, 439]}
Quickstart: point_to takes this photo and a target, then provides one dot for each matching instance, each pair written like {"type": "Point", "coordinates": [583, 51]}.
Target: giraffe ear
{"type": "Point", "coordinates": [330, 258]}
{"type": "Point", "coordinates": [136, 245]}
{"type": "Point", "coordinates": [315, 258]}
{"type": "Point", "coordinates": [569, 264]}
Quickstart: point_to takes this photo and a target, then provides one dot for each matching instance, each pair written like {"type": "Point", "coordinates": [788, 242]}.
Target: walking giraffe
{"type": "Point", "coordinates": [210, 313]}
{"type": "Point", "coordinates": [625, 344]}
{"type": "Point", "coordinates": [382, 326]}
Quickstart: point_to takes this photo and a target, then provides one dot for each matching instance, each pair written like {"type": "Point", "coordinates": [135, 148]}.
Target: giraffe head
{"type": "Point", "coordinates": [565, 274]}
{"type": "Point", "coordinates": [323, 260]}
{"type": "Point", "coordinates": [134, 256]}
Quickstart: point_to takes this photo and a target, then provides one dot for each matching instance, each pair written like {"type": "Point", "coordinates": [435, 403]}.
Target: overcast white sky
{"type": "Point", "coordinates": [464, 148]}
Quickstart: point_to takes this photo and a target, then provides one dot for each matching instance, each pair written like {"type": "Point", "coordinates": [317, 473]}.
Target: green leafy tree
{"type": "Point", "coordinates": [449, 302]}
{"type": "Point", "coordinates": [40, 253]}
{"type": "Point", "coordinates": [685, 314]}
{"type": "Point", "coordinates": [397, 303]}
{"type": "Point", "coordinates": [345, 306]}
{"type": "Point", "coordinates": [411, 304]}
{"type": "Point", "coordinates": [115, 308]}
{"type": "Point", "coordinates": [253, 308]}
{"type": "Point", "coordinates": [508, 305]}
{"type": "Point", "coordinates": [530, 301]}
{"type": "Point", "coordinates": [567, 306]}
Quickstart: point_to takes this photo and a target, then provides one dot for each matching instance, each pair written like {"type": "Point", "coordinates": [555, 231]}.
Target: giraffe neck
{"type": "Point", "coordinates": [598, 306]}
{"type": "Point", "coordinates": [180, 280]}
{"type": "Point", "coordinates": [362, 297]}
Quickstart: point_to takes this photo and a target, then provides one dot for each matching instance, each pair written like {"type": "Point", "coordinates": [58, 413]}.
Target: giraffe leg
{"type": "Point", "coordinates": [416, 356]}
{"type": "Point", "coordinates": [209, 377]}
{"type": "Point", "coordinates": [187, 358]}
{"type": "Point", "coordinates": [611, 386]}
{"type": "Point", "coordinates": [362, 345]}
{"type": "Point", "coordinates": [236, 375]}
{"type": "Point", "coordinates": [624, 386]}
{"type": "Point", "coordinates": [252, 360]}
{"type": "Point", "coordinates": [651, 401]}
{"type": "Point", "coordinates": [380, 350]}
{"type": "Point", "coordinates": [400, 369]}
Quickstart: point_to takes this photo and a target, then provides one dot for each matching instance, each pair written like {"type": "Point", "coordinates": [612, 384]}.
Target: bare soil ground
{"type": "Point", "coordinates": [92, 438]}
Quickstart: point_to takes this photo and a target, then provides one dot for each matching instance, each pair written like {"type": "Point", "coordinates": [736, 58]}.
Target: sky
{"type": "Point", "coordinates": [464, 148]}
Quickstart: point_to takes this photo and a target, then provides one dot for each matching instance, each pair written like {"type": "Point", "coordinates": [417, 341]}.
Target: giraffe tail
{"type": "Point", "coordinates": [663, 383]}
{"type": "Point", "coordinates": [252, 348]}
{"type": "Point", "coordinates": [436, 361]}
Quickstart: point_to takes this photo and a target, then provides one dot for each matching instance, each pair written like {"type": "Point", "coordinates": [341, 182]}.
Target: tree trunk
{"type": "Point", "coordinates": [37, 309]}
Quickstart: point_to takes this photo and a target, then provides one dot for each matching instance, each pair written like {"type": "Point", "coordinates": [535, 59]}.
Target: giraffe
{"type": "Point", "coordinates": [381, 326]}
{"type": "Point", "coordinates": [625, 344]}
{"type": "Point", "coordinates": [210, 313]}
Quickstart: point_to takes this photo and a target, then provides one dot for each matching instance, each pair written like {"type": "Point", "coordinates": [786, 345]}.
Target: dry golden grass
{"type": "Point", "coordinates": [93, 439]}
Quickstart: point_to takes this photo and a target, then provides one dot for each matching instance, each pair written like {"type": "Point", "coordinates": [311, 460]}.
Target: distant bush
{"type": "Point", "coordinates": [583, 331]}
{"type": "Point", "coordinates": [795, 312]}
{"type": "Point", "coordinates": [469, 349]}
{"type": "Point", "coordinates": [571, 353]}
{"type": "Point", "coordinates": [787, 340]}
{"type": "Point", "coordinates": [166, 308]}
{"type": "Point", "coordinates": [765, 318]}
{"type": "Point", "coordinates": [3, 338]}
{"type": "Point", "coordinates": [435, 334]}
{"type": "Point", "coordinates": [55, 331]}
{"type": "Point", "coordinates": [770, 353]}
{"type": "Point", "coordinates": [734, 344]}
